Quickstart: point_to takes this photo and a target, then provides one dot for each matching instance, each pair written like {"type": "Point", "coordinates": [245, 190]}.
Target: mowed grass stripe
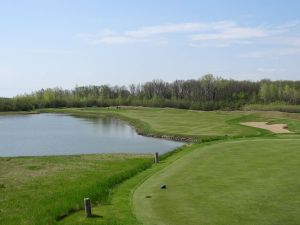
{"type": "Point", "coordinates": [253, 182]}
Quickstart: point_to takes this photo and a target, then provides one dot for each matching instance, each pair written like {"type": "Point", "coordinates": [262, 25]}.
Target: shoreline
{"type": "Point", "coordinates": [19, 113]}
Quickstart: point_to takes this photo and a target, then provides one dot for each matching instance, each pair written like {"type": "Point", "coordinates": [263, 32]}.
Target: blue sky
{"type": "Point", "coordinates": [60, 43]}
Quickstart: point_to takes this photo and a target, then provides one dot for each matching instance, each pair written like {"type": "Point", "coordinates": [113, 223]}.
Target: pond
{"type": "Point", "coordinates": [56, 134]}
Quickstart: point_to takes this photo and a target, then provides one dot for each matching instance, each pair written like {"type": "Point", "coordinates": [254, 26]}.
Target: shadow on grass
{"type": "Point", "coordinates": [96, 216]}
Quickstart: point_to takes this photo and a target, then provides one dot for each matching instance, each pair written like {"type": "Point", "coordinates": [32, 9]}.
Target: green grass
{"type": "Point", "coordinates": [119, 209]}
{"type": "Point", "coordinates": [191, 124]}
{"type": "Point", "coordinates": [250, 182]}
{"type": "Point", "coordinates": [282, 107]}
{"type": "Point", "coordinates": [177, 122]}
{"type": "Point", "coordinates": [38, 190]}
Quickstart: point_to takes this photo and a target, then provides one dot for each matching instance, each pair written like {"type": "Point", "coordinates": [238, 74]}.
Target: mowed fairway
{"type": "Point", "coordinates": [208, 123]}
{"type": "Point", "coordinates": [249, 182]}
{"type": "Point", "coordinates": [191, 123]}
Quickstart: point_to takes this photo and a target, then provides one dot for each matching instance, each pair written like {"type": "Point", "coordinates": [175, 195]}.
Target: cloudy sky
{"type": "Point", "coordinates": [63, 43]}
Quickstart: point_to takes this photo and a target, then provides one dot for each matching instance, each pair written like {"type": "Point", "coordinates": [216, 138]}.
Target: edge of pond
{"type": "Point", "coordinates": [144, 129]}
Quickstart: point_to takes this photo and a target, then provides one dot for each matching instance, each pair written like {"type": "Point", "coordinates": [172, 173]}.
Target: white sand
{"type": "Point", "coordinates": [275, 128]}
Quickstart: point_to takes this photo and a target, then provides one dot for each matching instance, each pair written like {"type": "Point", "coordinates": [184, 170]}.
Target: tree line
{"type": "Point", "coordinates": [207, 93]}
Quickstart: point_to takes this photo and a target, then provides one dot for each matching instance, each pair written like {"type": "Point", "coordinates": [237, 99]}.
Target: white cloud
{"type": "Point", "coordinates": [268, 70]}
{"type": "Point", "coordinates": [209, 45]}
{"type": "Point", "coordinates": [207, 35]}
{"type": "Point", "coordinates": [142, 34]}
{"type": "Point", "coordinates": [197, 31]}
{"type": "Point", "coordinates": [295, 41]}
{"type": "Point", "coordinates": [286, 26]}
{"type": "Point", "coordinates": [273, 52]}
{"type": "Point", "coordinates": [111, 39]}
{"type": "Point", "coordinates": [261, 73]}
{"type": "Point", "coordinates": [231, 33]}
{"type": "Point", "coordinates": [165, 29]}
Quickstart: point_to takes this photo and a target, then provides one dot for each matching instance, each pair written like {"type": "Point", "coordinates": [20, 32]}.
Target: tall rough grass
{"type": "Point", "coordinates": [99, 192]}
{"type": "Point", "coordinates": [57, 189]}
{"type": "Point", "coordinates": [273, 107]}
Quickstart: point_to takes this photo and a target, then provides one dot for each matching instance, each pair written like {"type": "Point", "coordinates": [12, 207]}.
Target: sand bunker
{"type": "Point", "coordinates": [275, 128]}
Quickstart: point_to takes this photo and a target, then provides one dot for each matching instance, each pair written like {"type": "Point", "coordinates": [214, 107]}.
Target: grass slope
{"type": "Point", "coordinates": [36, 190]}
{"type": "Point", "coordinates": [118, 210]}
{"type": "Point", "coordinates": [253, 182]}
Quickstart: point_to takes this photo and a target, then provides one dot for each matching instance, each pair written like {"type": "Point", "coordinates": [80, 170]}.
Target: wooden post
{"type": "Point", "coordinates": [156, 157]}
{"type": "Point", "coordinates": [87, 207]}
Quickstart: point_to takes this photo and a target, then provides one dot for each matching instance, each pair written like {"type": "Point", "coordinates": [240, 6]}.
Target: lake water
{"type": "Point", "coordinates": [55, 134]}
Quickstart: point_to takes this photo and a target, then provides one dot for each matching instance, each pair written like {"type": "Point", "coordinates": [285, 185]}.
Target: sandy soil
{"type": "Point", "coordinates": [275, 128]}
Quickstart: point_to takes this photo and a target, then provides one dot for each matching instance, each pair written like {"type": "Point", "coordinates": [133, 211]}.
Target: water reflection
{"type": "Point", "coordinates": [53, 134]}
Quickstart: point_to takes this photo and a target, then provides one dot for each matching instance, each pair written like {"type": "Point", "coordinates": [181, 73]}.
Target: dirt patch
{"type": "Point", "coordinates": [275, 128]}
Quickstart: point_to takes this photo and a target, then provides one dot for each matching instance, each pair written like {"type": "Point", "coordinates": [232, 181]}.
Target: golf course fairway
{"type": "Point", "coordinates": [249, 182]}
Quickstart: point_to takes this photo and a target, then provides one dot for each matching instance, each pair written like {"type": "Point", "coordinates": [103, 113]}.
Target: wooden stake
{"type": "Point", "coordinates": [156, 157]}
{"type": "Point", "coordinates": [87, 207]}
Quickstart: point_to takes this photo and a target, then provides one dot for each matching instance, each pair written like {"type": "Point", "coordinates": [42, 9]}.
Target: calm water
{"type": "Point", "coordinates": [53, 134]}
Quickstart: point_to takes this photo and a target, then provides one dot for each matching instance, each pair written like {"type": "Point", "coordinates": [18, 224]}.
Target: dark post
{"type": "Point", "coordinates": [87, 207]}
{"type": "Point", "coordinates": [156, 157]}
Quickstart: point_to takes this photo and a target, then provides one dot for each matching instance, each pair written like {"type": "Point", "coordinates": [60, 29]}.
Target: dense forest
{"type": "Point", "coordinates": [206, 93]}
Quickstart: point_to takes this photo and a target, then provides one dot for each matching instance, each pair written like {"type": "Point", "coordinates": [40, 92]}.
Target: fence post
{"type": "Point", "coordinates": [156, 157]}
{"type": "Point", "coordinates": [87, 207]}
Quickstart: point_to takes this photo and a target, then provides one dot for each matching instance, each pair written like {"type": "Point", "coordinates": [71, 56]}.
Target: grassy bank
{"type": "Point", "coordinates": [18, 113]}
{"type": "Point", "coordinates": [40, 190]}
{"type": "Point", "coordinates": [119, 211]}
{"type": "Point", "coordinates": [191, 125]}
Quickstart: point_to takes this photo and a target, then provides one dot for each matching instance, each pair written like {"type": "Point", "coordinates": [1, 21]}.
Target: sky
{"type": "Point", "coordinates": [64, 43]}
